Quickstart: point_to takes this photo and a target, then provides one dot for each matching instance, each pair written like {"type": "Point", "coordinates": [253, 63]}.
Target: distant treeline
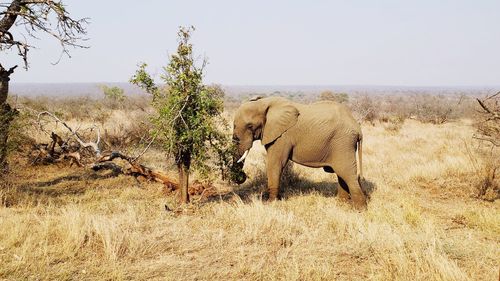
{"type": "Point", "coordinates": [95, 90]}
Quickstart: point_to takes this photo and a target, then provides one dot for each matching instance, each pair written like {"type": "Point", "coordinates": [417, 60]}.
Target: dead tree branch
{"type": "Point", "coordinates": [60, 149]}
{"type": "Point", "coordinates": [55, 152]}
{"type": "Point", "coordinates": [137, 170]}
{"type": "Point", "coordinates": [93, 145]}
{"type": "Point", "coordinates": [40, 16]}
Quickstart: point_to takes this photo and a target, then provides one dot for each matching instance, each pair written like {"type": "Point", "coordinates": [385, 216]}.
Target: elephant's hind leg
{"type": "Point", "coordinates": [351, 182]}
{"type": "Point", "coordinates": [345, 167]}
{"type": "Point", "coordinates": [343, 190]}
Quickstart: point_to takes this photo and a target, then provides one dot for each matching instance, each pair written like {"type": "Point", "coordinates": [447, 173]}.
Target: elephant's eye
{"type": "Point", "coordinates": [250, 126]}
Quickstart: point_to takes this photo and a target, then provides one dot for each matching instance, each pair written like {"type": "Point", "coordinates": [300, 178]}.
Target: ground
{"type": "Point", "coordinates": [422, 222]}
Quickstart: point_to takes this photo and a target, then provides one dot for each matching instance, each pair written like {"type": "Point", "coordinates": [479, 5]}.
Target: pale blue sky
{"type": "Point", "coordinates": [407, 43]}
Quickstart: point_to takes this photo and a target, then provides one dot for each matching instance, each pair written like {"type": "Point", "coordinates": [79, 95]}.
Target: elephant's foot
{"type": "Point", "coordinates": [357, 197]}
{"type": "Point", "coordinates": [359, 202]}
{"type": "Point", "coordinates": [273, 195]}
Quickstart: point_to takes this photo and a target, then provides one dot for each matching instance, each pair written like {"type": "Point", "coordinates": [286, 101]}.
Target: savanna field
{"type": "Point", "coordinates": [426, 219]}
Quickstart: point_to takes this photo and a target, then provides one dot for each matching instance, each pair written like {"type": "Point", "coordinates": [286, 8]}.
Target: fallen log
{"type": "Point", "coordinates": [136, 170]}
{"type": "Point", "coordinates": [144, 173]}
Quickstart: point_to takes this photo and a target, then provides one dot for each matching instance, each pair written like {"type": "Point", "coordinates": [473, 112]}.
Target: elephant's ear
{"type": "Point", "coordinates": [279, 118]}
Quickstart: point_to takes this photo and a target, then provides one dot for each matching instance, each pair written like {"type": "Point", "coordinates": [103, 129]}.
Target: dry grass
{"type": "Point", "coordinates": [421, 223]}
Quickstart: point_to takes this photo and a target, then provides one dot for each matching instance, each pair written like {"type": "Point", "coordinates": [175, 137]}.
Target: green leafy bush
{"type": "Point", "coordinates": [188, 121]}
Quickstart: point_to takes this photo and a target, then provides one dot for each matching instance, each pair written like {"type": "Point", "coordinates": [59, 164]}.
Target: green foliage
{"type": "Point", "coordinates": [144, 80]}
{"type": "Point", "coordinates": [188, 122]}
{"type": "Point", "coordinates": [114, 93]}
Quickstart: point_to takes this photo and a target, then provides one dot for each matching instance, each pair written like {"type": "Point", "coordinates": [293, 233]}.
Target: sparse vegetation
{"type": "Point", "coordinates": [166, 178]}
{"type": "Point", "coordinates": [424, 220]}
{"type": "Point", "coordinates": [426, 108]}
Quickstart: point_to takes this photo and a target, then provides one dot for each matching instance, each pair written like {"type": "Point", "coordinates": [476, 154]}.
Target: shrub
{"type": "Point", "coordinates": [115, 96]}
{"type": "Point", "coordinates": [364, 108]}
{"type": "Point", "coordinates": [488, 184]}
{"type": "Point", "coordinates": [331, 96]}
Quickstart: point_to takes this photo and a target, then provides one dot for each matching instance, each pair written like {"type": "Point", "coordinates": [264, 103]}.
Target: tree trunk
{"type": "Point", "coordinates": [6, 112]}
{"type": "Point", "coordinates": [183, 161]}
{"type": "Point", "coordinates": [6, 116]}
{"type": "Point", "coordinates": [10, 16]}
{"type": "Point", "coordinates": [183, 182]}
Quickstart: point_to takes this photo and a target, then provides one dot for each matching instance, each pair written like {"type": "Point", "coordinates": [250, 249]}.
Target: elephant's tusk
{"type": "Point", "coordinates": [243, 157]}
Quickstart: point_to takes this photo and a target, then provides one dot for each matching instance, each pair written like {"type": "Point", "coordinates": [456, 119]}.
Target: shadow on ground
{"type": "Point", "coordinates": [59, 186]}
{"type": "Point", "coordinates": [292, 185]}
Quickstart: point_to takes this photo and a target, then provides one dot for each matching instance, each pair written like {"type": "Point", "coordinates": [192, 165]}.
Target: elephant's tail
{"type": "Point", "coordinates": [360, 156]}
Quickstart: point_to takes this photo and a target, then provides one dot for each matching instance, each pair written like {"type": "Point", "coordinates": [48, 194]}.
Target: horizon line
{"type": "Point", "coordinates": [282, 85]}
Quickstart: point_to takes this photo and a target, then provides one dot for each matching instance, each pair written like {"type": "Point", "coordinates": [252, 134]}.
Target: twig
{"type": "Point", "coordinates": [145, 149]}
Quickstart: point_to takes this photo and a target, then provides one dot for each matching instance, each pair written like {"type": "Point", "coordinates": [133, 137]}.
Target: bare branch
{"type": "Point", "coordinates": [45, 16]}
{"type": "Point", "coordinates": [495, 115]}
{"type": "Point", "coordinates": [136, 170]}
{"type": "Point", "coordinates": [93, 145]}
{"type": "Point", "coordinates": [145, 149]}
{"type": "Point", "coordinates": [492, 140]}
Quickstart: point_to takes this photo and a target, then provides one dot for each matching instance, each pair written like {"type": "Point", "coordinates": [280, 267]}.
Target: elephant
{"type": "Point", "coordinates": [319, 135]}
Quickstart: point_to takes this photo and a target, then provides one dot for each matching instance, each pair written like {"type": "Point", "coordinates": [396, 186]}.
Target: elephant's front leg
{"type": "Point", "coordinates": [277, 157]}
{"type": "Point", "coordinates": [273, 180]}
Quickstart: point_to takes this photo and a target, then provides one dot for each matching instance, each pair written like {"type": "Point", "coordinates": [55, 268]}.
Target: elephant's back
{"type": "Point", "coordinates": [329, 111]}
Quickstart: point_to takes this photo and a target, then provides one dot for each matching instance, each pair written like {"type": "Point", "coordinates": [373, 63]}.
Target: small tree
{"type": "Point", "coordinates": [34, 16]}
{"type": "Point", "coordinates": [115, 96]}
{"type": "Point", "coordinates": [189, 113]}
{"type": "Point", "coordinates": [114, 93]}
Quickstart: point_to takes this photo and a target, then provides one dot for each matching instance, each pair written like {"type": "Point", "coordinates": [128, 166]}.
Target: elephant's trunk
{"type": "Point", "coordinates": [237, 174]}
